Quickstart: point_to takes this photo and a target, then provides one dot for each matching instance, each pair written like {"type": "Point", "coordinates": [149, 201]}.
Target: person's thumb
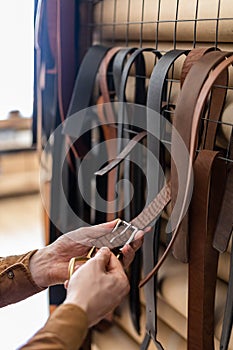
{"type": "Point", "coordinates": [103, 256]}
{"type": "Point", "coordinates": [106, 226]}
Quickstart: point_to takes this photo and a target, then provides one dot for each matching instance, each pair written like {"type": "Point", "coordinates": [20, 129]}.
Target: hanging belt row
{"type": "Point", "coordinates": [188, 113]}
{"type": "Point", "coordinates": [201, 72]}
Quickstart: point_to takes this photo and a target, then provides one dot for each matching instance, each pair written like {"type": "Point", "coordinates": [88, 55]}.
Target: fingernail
{"type": "Point", "coordinates": [103, 250]}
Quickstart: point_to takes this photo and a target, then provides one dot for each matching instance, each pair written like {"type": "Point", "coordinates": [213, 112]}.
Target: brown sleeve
{"type": "Point", "coordinates": [65, 330]}
{"type": "Point", "coordinates": [16, 282]}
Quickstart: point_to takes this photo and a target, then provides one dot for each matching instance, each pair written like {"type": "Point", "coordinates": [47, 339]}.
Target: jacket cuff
{"type": "Point", "coordinates": [16, 282]}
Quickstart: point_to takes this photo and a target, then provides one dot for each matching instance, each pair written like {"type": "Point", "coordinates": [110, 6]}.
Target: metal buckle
{"type": "Point", "coordinates": [80, 259]}
{"type": "Point", "coordinates": [127, 226]}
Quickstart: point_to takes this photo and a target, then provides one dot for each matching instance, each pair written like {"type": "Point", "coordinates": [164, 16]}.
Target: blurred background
{"type": "Point", "coordinates": [21, 213]}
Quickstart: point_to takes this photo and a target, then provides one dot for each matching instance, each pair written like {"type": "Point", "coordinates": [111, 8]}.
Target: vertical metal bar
{"type": "Point", "coordinates": [217, 24]}
{"type": "Point", "coordinates": [195, 25]}
{"type": "Point", "coordinates": [175, 27]}
{"type": "Point", "coordinates": [127, 25]}
{"type": "Point", "coordinates": [157, 26]}
{"type": "Point", "coordinates": [174, 46]}
{"type": "Point", "coordinates": [101, 22]}
{"type": "Point", "coordinates": [114, 23]}
{"type": "Point", "coordinates": [141, 26]}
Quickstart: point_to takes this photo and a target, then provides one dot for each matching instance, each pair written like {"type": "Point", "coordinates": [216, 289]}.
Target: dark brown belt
{"type": "Point", "coordinates": [209, 176]}
{"type": "Point", "coordinates": [221, 241]}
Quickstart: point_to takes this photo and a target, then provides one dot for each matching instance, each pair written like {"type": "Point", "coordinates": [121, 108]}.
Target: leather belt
{"type": "Point", "coordinates": [205, 300]}
{"type": "Point", "coordinates": [130, 171]}
{"type": "Point", "coordinates": [221, 240]}
{"type": "Point", "coordinates": [225, 221]}
{"type": "Point", "coordinates": [157, 84]}
{"type": "Point", "coordinates": [193, 56]}
{"type": "Point", "coordinates": [108, 120]}
{"type": "Point", "coordinates": [183, 121]}
{"type": "Point", "coordinates": [136, 59]}
{"type": "Point", "coordinates": [157, 94]}
{"type": "Point", "coordinates": [84, 85]}
{"type": "Point", "coordinates": [118, 66]}
{"type": "Point", "coordinates": [228, 314]}
{"type": "Point", "coordinates": [209, 173]}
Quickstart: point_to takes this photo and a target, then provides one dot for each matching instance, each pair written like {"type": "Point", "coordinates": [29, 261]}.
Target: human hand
{"type": "Point", "coordinates": [98, 286]}
{"type": "Point", "coordinates": [49, 265]}
{"type": "Point", "coordinates": [85, 237]}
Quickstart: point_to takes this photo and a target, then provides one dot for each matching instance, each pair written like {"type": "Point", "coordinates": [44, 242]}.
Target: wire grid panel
{"type": "Point", "coordinates": [167, 25]}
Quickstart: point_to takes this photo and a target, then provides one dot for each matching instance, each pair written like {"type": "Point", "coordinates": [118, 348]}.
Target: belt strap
{"type": "Point", "coordinates": [193, 56]}
{"type": "Point", "coordinates": [205, 341]}
{"type": "Point", "coordinates": [83, 87]}
{"type": "Point", "coordinates": [199, 106]}
{"type": "Point", "coordinates": [228, 314]}
{"type": "Point", "coordinates": [220, 242]}
{"type": "Point", "coordinates": [208, 190]}
{"type": "Point", "coordinates": [183, 123]}
{"type": "Point", "coordinates": [118, 66]}
{"type": "Point", "coordinates": [107, 119]}
{"type": "Point", "coordinates": [137, 59]}
{"type": "Point", "coordinates": [225, 221]}
{"type": "Point", "coordinates": [157, 91]}
{"type": "Point", "coordinates": [84, 84]}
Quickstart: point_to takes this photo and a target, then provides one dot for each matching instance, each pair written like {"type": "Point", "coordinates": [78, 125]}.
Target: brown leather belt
{"type": "Point", "coordinates": [108, 120]}
{"type": "Point", "coordinates": [183, 121]}
{"type": "Point", "coordinates": [203, 250]}
{"type": "Point", "coordinates": [225, 221]}
{"type": "Point", "coordinates": [209, 176]}
{"type": "Point", "coordinates": [208, 292]}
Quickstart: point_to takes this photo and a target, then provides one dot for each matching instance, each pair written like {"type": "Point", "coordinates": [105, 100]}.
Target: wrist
{"type": "Point", "coordinates": [82, 303]}
{"type": "Point", "coordinates": [41, 268]}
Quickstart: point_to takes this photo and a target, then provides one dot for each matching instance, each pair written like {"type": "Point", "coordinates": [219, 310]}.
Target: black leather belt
{"type": "Point", "coordinates": [156, 96]}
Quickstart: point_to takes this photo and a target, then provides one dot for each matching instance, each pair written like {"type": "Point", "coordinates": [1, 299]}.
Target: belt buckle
{"type": "Point", "coordinates": [80, 259]}
{"type": "Point", "coordinates": [123, 233]}
{"type": "Point", "coordinates": [120, 233]}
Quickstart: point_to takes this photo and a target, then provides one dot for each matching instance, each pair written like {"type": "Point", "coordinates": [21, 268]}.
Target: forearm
{"type": "Point", "coordinates": [16, 281]}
